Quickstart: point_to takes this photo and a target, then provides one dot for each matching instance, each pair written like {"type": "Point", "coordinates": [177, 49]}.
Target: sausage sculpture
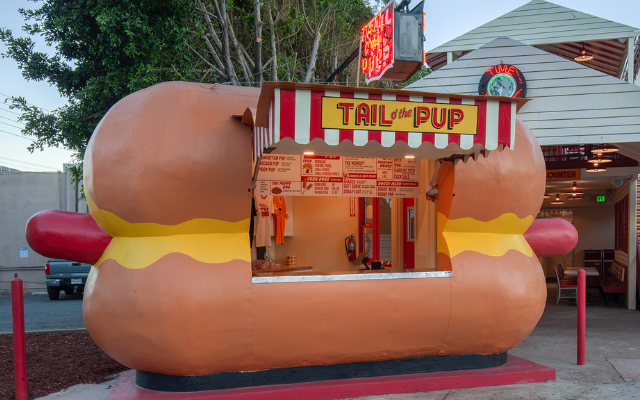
{"type": "Point", "coordinates": [168, 178]}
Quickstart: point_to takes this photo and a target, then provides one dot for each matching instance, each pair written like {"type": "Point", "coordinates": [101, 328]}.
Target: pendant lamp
{"type": "Point", "coordinates": [574, 190]}
{"type": "Point", "coordinates": [584, 56]}
{"type": "Point", "coordinates": [598, 158]}
{"type": "Point", "coordinates": [557, 200]}
{"type": "Point", "coordinates": [604, 148]}
{"type": "Point", "coordinates": [596, 168]}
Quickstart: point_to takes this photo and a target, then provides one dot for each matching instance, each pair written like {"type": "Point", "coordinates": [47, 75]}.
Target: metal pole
{"type": "Point", "coordinates": [359, 61]}
{"type": "Point", "coordinates": [19, 354]}
{"type": "Point", "coordinates": [581, 300]}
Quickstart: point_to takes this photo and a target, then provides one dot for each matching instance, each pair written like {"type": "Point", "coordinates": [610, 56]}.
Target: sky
{"type": "Point", "coordinates": [445, 20]}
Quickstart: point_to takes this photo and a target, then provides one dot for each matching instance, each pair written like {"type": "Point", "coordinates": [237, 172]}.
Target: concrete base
{"type": "Point", "coordinates": [515, 371]}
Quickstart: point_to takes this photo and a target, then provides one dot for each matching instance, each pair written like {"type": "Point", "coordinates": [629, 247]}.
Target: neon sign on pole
{"type": "Point", "coordinates": [377, 44]}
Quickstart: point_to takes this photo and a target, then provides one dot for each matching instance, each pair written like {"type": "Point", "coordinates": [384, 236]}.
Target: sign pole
{"type": "Point", "coordinates": [359, 62]}
{"type": "Point", "coordinates": [19, 354]}
{"type": "Point", "coordinates": [581, 301]}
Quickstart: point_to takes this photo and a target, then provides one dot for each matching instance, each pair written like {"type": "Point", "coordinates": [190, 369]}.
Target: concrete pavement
{"type": "Point", "coordinates": [40, 313]}
{"type": "Point", "coordinates": [612, 334]}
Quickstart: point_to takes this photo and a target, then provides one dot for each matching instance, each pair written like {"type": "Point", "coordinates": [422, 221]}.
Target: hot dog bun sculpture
{"type": "Point", "coordinates": [168, 178]}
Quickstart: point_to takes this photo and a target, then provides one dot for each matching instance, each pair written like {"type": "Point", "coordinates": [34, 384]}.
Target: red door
{"type": "Point", "coordinates": [409, 228]}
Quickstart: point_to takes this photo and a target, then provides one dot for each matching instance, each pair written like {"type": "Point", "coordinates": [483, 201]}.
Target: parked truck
{"type": "Point", "coordinates": [65, 275]}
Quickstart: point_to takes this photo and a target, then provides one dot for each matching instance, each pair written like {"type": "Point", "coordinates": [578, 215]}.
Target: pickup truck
{"type": "Point", "coordinates": [65, 275]}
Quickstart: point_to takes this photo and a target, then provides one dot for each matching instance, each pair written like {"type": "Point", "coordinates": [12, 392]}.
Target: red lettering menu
{"type": "Point", "coordinates": [288, 175]}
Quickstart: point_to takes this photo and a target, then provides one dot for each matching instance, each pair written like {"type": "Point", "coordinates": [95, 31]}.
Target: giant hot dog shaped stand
{"type": "Point", "coordinates": [168, 179]}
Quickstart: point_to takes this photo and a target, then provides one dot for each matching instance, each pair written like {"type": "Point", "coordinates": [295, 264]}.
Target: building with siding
{"type": "Point", "coordinates": [573, 107]}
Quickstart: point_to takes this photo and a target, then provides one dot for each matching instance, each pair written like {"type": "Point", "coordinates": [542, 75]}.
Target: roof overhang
{"type": "Point", "coordinates": [368, 122]}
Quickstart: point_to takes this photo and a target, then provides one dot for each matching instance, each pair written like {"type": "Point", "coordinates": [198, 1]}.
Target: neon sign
{"type": "Point", "coordinates": [377, 44]}
{"type": "Point", "coordinates": [503, 80]}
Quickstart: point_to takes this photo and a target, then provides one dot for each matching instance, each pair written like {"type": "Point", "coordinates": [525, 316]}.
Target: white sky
{"type": "Point", "coordinates": [445, 21]}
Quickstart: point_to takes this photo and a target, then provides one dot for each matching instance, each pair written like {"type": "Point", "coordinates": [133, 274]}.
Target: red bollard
{"type": "Point", "coordinates": [19, 354]}
{"type": "Point", "coordinates": [581, 302]}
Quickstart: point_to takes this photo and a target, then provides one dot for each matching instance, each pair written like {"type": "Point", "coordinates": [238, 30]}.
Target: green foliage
{"type": "Point", "coordinates": [105, 50]}
{"type": "Point", "coordinates": [424, 71]}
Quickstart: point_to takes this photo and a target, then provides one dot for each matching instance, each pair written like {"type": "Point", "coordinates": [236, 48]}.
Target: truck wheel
{"type": "Point", "coordinates": [54, 293]}
{"type": "Point", "coordinates": [68, 292]}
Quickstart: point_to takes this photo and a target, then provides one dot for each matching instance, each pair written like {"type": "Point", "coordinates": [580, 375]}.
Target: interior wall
{"type": "Point", "coordinates": [319, 228]}
{"type": "Point", "coordinates": [595, 226]}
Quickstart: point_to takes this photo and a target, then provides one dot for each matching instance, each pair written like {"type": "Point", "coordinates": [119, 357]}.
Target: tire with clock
{"type": "Point", "coordinates": [503, 80]}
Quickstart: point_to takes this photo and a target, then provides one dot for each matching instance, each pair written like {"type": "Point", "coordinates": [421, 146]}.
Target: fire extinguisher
{"type": "Point", "coordinates": [350, 247]}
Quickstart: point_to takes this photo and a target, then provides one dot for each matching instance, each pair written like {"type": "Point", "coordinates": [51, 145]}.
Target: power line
{"type": "Point", "coordinates": [13, 126]}
{"type": "Point", "coordinates": [10, 97]}
{"type": "Point", "coordinates": [27, 163]}
{"type": "Point", "coordinates": [13, 134]}
{"type": "Point", "coordinates": [9, 111]}
{"type": "Point", "coordinates": [12, 120]}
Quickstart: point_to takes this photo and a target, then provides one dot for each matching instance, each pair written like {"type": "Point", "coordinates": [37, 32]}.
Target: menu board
{"type": "Point", "coordinates": [294, 175]}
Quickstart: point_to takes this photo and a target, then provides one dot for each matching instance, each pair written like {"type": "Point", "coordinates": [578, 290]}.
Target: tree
{"type": "Point", "coordinates": [301, 40]}
{"type": "Point", "coordinates": [105, 50]}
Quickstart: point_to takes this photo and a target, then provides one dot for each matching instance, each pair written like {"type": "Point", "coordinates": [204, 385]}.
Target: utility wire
{"type": "Point", "coordinates": [24, 162]}
{"type": "Point", "coordinates": [10, 97]}
{"type": "Point", "coordinates": [12, 120]}
{"type": "Point", "coordinates": [9, 111]}
{"type": "Point", "coordinates": [13, 126]}
{"type": "Point", "coordinates": [20, 136]}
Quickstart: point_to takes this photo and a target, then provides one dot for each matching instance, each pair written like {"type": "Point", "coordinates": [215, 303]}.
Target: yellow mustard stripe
{"type": "Point", "coordinates": [140, 252]}
{"type": "Point", "coordinates": [492, 238]}
{"type": "Point", "coordinates": [117, 227]}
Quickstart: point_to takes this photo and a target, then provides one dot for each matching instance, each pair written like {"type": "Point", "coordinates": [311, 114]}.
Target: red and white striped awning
{"type": "Point", "coordinates": [289, 120]}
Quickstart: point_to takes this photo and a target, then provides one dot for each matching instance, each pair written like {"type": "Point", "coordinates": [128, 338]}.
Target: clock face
{"type": "Point", "coordinates": [501, 85]}
{"type": "Point", "coordinates": [503, 80]}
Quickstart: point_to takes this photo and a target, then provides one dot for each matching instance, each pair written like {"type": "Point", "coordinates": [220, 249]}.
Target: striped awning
{"type": "Point", "coordinates": [338, 120]}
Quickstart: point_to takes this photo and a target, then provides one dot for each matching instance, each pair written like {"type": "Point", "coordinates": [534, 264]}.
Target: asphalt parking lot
{"type": "Point", "coordinates": [40, 313]}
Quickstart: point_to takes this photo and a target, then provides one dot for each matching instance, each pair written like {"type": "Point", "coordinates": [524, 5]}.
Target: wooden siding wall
{"type": "Point", "coordinates": [570, 103]}
{"type": "Point", "coordinates": [540, 22]}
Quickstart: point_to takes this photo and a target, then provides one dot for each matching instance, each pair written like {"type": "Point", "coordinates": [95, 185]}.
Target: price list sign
{"type": "Point", "coordinates": [338, 176]}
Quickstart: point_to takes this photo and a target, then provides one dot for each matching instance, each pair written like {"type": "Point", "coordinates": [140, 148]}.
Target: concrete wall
{"type": "Point", "coordinates": [22, 194]}
{"type": "Point", "coordinates": [595, 226]}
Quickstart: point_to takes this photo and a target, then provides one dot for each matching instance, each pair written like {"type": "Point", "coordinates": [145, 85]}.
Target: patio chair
{"type": "Point", "coordinates": [564, 285]}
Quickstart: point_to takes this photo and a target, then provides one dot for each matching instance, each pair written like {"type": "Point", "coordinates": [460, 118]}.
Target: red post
{"type": "Point", "coordinates": [581, 301]}
{"type": "Point", "coordinates": [19, 354]}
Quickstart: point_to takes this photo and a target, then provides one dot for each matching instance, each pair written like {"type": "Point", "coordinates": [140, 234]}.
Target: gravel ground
{"type": "Point", "coordinates": [55, 361]}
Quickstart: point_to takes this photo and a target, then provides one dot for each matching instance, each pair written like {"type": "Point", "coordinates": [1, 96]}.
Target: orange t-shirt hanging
{"type": "Point", "coordinates": [280, 215]}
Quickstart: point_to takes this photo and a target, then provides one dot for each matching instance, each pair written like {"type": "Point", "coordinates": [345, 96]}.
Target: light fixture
{"type": "Point", "coordinates": [596, 168]}
{"type": "Point", "coordinates": [604, 148]}
{"type": "Point", "coordinates": [308, 153]}
{"type": "Point", "coordinates": [599, 159]}
{"type": "Point", "coordinates": [547, 195]}
{"type": "Point", "coordinates": [584, 56]}
{"type": "Point", "coordinates": [557, 200]}
{"type": "Point", "coordinates": [409, 156]}
{"type": "Point", "coordinates": [574, 190]}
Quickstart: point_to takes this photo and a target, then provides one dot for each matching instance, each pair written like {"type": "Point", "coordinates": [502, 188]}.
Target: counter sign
{"type": "Point", "coordinates": [377, 44]}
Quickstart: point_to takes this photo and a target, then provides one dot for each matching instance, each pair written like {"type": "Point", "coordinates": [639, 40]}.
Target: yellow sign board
{"type": "Point", "coordinates": [398, 116]}
{"type": "Point", "coordinates": [563, 174]}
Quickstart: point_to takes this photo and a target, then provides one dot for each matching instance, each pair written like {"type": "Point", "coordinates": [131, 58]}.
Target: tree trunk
{"type": "Point", "coordinates": [274, 66]}
{"type": "Point", "coordinates": [224, 22]}
{"type": "Point", "coordinates": [258, 44]}
{"type": "Point", "coordinates": [314, 57]}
